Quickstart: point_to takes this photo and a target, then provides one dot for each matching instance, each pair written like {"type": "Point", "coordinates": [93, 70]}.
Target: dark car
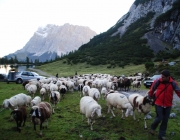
{"type": "Point", "coordinates": [3, 77]}
{"type": "Point", "coordinates": [148, 83]}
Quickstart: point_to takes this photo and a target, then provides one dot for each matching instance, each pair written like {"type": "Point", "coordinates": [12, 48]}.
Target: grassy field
{"type": "Point", "coordinates": [67, 123]}
{"type": "Point", "coordinates": [68, 70]}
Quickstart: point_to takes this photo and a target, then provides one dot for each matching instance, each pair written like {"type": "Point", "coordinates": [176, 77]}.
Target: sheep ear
{"type": "Point", "coordinates": [10, 103]}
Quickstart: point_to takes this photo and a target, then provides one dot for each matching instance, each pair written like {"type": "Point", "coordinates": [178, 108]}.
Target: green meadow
{"type": "Point", "coordinates": [67, 122]}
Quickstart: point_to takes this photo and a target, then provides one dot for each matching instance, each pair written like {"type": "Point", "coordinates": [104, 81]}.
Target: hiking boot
{"type": "Point", "coordinates": [152, 132]}
{"type": "Point", "coordinates": [162, 138]}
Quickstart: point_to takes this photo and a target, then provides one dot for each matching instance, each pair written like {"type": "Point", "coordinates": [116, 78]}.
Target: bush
{"type": "Point", "coordinates": [149, 65]}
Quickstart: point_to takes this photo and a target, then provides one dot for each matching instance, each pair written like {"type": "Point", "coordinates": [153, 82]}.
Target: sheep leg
{"type": "Point", "coordinates": [110, 109]}
{"type": "Point", "coordinates": [134, 116]}
{"type": "Point", "coordinates": [43, 97]}
{"type": "Point", "coordinates": [139, 116]}
{"type": "Point", "coordinates": [88, 121]}
{"type": "Point", "coordinates": [113, 113]}
{"type": "Point", "coordinates": [34, 126]}
{"type": "Point", "coordinates": [19, 126]}
{"type": "Point", "coordinates": [91, 126]}
{"type": "Point", "coordinates": [41, 128]}
{"type": "Point", "coordinates": [122, 114]}
{"type": "Point", "coordinates": [145, 124]}
{"type": "Point", "coordinates": [47, 123]}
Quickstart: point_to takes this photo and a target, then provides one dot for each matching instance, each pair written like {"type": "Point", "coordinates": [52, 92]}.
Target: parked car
{"type": "Point", "coordinates": [148, 83]}
{"type": "Point", "coordinates": [3, 77]}
{"type": "Point", "coordinates": [20, 77]}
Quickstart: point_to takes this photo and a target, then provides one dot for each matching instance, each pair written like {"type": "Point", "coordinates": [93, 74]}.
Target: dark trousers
{"type": "Point", "coordinates": [162, 116]}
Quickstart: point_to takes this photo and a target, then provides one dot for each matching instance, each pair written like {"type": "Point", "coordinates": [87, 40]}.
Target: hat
{"type": "Point", "coordinates": [165, 73]}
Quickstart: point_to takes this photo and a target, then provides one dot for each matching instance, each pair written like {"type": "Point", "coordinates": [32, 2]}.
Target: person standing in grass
{"type": "Point", "coordinates": [163, 89]}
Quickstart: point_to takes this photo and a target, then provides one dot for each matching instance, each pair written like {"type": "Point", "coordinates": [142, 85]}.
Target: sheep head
{"type": "Point", "coordinates": [96, 111]}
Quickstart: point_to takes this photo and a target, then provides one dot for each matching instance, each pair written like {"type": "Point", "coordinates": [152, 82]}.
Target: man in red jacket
{"type": "Point", "coordinates": [163, 89]}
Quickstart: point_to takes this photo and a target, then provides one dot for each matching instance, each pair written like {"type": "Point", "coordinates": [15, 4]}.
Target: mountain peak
{"type": "Point", "coordinates": [56, 40]}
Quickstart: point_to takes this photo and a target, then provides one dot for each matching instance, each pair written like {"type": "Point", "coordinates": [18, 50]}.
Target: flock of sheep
{"type": "Point", "coordinates": [91, 87]}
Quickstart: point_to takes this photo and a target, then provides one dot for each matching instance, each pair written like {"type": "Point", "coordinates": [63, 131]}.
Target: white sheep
{"type": "Point", "coordinates": [104, 92]}
{"type": "Point", "coordinates": [94, 93]}
{"type": "Point", "coordinates": [47, 87]}
{"type": "Point", "coordinates": [43, 93]}
{"type": "Point", "coordinates": [53, 87]}
{"type": "Point", "coordinates": [136, 85]}
{"type": "Point", "coordinates": [54, 98]}
{"type": "Point", "coordinates": [142, 104]}
{"type": "Point", "coordinates": [90, 108]}
{"type": "Point", "coordinates": [70, 85]}
{"type": "Point", "coordinates": [16, 101]}
{"type": "Point", "coordinates": [35, 101]}
{"type": "Point", "coordinates": [85, 90]}
{"type": "Point", "coordinates": [31, 89]}
{"type": "Point", "coordinates": [120, 101]}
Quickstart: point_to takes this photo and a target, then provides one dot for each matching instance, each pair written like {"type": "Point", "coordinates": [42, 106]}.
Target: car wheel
{"type": "Point", "coordinates": [19, 81]}
{"type": "Point", "coordinates": [147, 86]}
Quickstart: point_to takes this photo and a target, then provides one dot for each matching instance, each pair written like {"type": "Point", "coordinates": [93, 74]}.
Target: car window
{"type": "Point", "coordinates": [25, 73]}
{"type": "Point", "coordinates": [155, 77]}
{"type": "Point", "coordinates": [30, 74]}
{"type": "Point", "coordinates": [35, 74]}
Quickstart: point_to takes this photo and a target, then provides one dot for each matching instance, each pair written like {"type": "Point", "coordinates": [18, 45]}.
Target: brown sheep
{"type": "Point", "coordinates": [19, 116]}
{"type": "Point", "coordinates": [40, 114]}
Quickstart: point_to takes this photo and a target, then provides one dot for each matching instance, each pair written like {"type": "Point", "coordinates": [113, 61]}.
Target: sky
{"type": "Point", "coordinates": [21, 18]}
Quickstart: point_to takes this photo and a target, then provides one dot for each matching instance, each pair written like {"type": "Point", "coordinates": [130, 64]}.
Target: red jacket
{"type": "Point", "coordinates": [165, 97]}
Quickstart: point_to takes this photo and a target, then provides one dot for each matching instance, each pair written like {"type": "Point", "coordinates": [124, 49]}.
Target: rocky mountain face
{"type": "Point", "coordinates": [51, 41]}
{"type": "Point", "coordinates": [165, 32]}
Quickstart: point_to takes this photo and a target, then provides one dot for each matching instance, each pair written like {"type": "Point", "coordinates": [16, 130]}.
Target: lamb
{"type": "Point", "coordinates": [70, 85]}
{"type": "Point", "coordinates": [94, 93]}
{"type": "Point", "coordinates": [136, 85]}
{"type": "Point", "coordinates": [111, 85]}
{"type": "Point", "coordinates": [54, 98]}
{"type": "Point", "coordinates": [35, 101]}
{"type": "Point", "coordinates": [104, 92]}
{"type": "Point", "coordinates": [31, 89]}
{"type": "Point", "coordinates": [90, 108]}
{"type": "Point", "coordinates": [43, 93]}
{"type": "Point", "coordinates": [85, 90]}
{"type": "Point", "coordinates": [40, 114]}
{"type": "Point", "coordinates": [142, 104]}
{"type": "Point", "coordinates": [120, 101]}
{"type": "Point", "coordinates": [63, 90]}
{"type": "Point", "coordinates": [80, 89]}
{"type": "Point", "coordinates": [53, 87]}
{"type": "Point", "coordinates": [19, 116]}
